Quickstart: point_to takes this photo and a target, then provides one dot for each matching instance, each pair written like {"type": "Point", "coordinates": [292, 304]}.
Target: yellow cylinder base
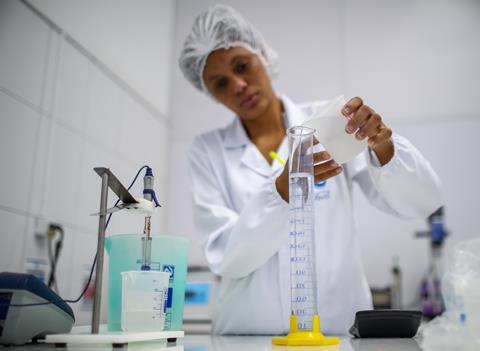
{"type": "Point", "coordinates": [305, 338]}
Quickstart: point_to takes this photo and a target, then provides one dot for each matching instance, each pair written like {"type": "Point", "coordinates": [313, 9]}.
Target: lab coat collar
{"type": "Point", "coordinates": [236, 137]}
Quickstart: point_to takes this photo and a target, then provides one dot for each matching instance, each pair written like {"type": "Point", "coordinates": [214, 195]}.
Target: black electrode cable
{"type": "Point", "coordinates": [54, 257]}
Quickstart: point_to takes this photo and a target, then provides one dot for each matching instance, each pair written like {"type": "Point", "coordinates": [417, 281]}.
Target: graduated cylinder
{"type": "Point", "coordinates": [302, 244]}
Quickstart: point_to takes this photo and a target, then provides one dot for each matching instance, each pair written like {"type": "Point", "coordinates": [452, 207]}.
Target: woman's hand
{"type": "Point", "coordinates": [366, 123]}
{"type": "Point", "coordinates": [324, 167]}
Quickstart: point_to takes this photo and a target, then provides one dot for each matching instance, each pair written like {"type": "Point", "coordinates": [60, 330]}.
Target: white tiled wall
{"type": "Point", "coordinates": [13, 229]}
{"type": "Point", "coordinates": [74, 83]}
{"type": "Point", "coordinates": [18, 139]}
{"type": "Point", "coordinates": [24, 39]}
{"type": "Point", "coordinates": [66, 155]}
{"type": "Point", "coordinates": [104, 117]}
{"type": "Point", "coordinates": [131, 37]}
{"type": "Point", "coordinates": [61, 114]}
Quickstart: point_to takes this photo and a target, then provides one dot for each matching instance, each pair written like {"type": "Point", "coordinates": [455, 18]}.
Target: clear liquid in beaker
{"type": "Point", "coordinates": [143, 300]}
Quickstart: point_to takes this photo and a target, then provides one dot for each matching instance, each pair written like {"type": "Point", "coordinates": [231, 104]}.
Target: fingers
{"type": "Point", "coordinates": [358, 118]}
{"type": "Point", "coordinates": [384, 134]}
{"type": "Point", "coordinates": [326, 170]}
{"type": "Point", "coordinates": [352, 106]}
{"type": "Point", "coordinates": [321, 157]}
{"type": "Point", "coordinates": [282, 183]}
{"type": "Point", "coordinates": [323, 169]}
{"type": "Point", "coordinates": [370, 127]}
{"type": "Point", "coordinates": [365, 122]}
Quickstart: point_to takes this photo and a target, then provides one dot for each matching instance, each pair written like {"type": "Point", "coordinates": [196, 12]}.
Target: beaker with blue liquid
{"type": "Point", "coordinates": [169, 254]}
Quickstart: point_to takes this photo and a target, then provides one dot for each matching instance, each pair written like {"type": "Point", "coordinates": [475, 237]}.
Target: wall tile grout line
{"type": "Point", "coordinates": [23, 101]}
{"type": "Point", "coordinates": [47, 115]}
{"type": "Point", "coordinates": [44, 18]}
{"type": "Point", "coordinates": [31, 215]}
{"type": "Point", "coordinates": [51, 127]}
{"type": "Point", "coordinates": [93, 141]}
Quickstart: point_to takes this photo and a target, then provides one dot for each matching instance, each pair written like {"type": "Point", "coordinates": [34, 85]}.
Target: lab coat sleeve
{"type": "Point", "coordinates": [406, 186]}
{"type": "Point", "coordinates": [235, 244]}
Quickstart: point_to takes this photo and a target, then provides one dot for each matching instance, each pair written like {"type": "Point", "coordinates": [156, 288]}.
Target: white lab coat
{"type": "Point", "coordinates": [243, 226]}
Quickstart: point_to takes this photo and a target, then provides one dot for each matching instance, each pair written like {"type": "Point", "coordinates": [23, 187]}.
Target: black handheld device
{"type": "Point", "coordinates": [386, 324]}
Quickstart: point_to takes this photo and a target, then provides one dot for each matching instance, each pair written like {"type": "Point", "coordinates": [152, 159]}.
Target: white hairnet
{"type": "Point", "coordinates": [221, 27]}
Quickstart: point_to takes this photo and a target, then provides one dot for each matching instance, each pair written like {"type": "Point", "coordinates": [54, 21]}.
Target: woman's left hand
{"type": "Point", "coordinates": [366, 123]}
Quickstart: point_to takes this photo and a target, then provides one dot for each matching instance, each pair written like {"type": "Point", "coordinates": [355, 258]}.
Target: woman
{"type": "Point", "coordinates": [241, 194]}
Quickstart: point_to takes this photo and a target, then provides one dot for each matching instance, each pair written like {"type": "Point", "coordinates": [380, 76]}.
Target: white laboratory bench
{"type": "Point", "coordinates": [240, 343]}
{"type": "Point", "coordinates": [264, 343]}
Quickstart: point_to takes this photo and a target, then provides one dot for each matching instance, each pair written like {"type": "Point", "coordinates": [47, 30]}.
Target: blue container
{"type": "Point", "coordinates": [169, 254]}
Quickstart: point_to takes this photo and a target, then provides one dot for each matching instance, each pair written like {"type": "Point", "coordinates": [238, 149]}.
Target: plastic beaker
{"type": "Point", "coordinates": [144, 295]}
{"type": "Point", "coordinates": [169, 254]}
{"type": "Point", "coordinates": [329, 125]}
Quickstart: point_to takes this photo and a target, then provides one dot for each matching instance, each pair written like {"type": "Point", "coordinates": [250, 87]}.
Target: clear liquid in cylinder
{"type": "Point", "coordinates": [302, 271]}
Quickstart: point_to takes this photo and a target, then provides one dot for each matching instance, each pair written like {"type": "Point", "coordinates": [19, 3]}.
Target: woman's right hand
{"type": "Point", "coordinates": [324, 168]}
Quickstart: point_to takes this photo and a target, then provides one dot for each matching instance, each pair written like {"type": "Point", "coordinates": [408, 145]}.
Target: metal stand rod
{"type": "Point", "coordinates": [97, 299]}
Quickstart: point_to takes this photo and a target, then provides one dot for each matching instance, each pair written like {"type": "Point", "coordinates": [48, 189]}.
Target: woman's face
{"type": "Point", "coordinates": [237, 78]}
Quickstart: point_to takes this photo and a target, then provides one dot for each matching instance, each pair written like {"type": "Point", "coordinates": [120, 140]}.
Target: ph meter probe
{"type": "Point", "coordinates": [148, 194]}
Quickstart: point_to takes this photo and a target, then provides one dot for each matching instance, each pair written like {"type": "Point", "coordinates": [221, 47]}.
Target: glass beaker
{"type": "Point", "coordinates": [144, 294]}
{"type": "Point", "coordinates": [301, 215]}
{"type": "Point", "coordinates": [169, 254]}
